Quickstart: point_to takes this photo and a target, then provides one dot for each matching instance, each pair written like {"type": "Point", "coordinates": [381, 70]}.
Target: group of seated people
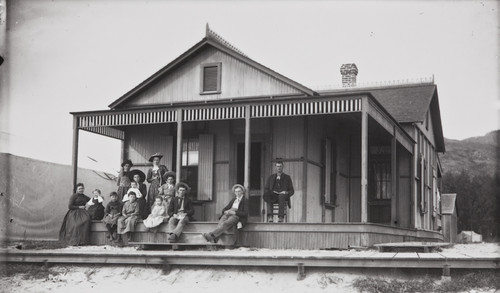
{"type": "Point", "coordinates": [165, 201]}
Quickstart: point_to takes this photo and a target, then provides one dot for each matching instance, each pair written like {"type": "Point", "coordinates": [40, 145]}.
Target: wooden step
{"type": "Point", "coordinates": [192, 234]}
{"type": "Point", "coordinates": [177, 246]}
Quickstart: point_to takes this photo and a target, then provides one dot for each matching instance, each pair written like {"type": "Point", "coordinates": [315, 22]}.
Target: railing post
{"type": "Point", "coordinates": [364, 160]}
{"type": "Point", "coordinates": [178, 157]}
{"type": "Point", "coordinates": [74, 161]}
{"type": "Point", "coordinates": [246, 182]}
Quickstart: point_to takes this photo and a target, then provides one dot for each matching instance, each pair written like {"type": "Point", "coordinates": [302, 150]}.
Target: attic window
{"type": "Point", "coordinates": [210, 78]}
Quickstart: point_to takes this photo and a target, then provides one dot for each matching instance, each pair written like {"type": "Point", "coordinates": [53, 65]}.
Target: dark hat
{"type": "Point", "coordinates": [135, 172]}
{"type": "Point", "coordinates": [168, 174]}
{"type": "Point", "coordinates": [155, 155]}
{"type": "Point", "coordinates": [241, 186]}
{"type": "Point", "coordinates": [127, 162]}
{"type": "Point", "coordinates": [182, 184]}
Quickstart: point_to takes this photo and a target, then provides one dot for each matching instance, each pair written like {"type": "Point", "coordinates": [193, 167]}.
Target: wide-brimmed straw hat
{"type": "Point", "coordinates": [155, 155]}
{"type": "Point", "coordinates": [241, 186]}
{"type": "Point", "coordinates": [127, 162]}
{"type": "Point", "coordinates": [182, 184]}
{"type": "Point", "coordinates": [139, 172]}
{"type": "Point", "coordinates": [168, 174]}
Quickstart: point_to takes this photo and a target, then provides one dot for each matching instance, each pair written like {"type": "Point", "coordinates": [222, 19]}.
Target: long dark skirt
{"type": "Point", "coordinates": [75, 229]}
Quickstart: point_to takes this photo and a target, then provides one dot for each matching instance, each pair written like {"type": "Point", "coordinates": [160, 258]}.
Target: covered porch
{"type": "Point", "coordinates": [351, 164]}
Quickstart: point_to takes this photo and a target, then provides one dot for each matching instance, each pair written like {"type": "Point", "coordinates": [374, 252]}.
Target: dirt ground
{"type": "Point", "coordinates": [75, 279]}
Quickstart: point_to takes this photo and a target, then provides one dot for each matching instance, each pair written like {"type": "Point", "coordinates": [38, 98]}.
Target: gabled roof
{"type": "Point", "coordinates": [214, 40]}
{"type": "Point", "coordinates": [408, 104]}
{"type": "Point", "coordinates": [448, 203]}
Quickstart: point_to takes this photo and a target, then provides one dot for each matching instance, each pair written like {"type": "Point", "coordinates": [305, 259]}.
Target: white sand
{"type": "Point", "coordinates": [122, 279]}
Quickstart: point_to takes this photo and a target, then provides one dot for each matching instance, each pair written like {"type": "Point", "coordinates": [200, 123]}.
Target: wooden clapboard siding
{"type": "Point", "coordinates": [222, 186]}
{"type": "Point", "coordinates": [313, 194]}
{"type": "Point", "coordinates": [404, 188]}
{"type": "Point", "coordinates": [142, 142]}
{"type": "Point", "coordinates": [238, 80]}
{"type": "Point", "coordinates": [343, 172]}
{"type": "Point", "coordinates": [314, 170]}
{"type": "Point", "coordinates": [322, 235]}
{"type": "Point", "coordinates": [288, 138]}
{"type": "Point", "coordinates": [315, 139]}
{"type": "Point", "coordinates": [288, 144]}
{"type": "Point", "coordinates": [296, 172]}
{"type": "Point", "coordinates": [283, 235]}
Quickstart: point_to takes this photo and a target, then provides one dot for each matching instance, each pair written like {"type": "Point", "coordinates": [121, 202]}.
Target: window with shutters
{"type": "Point", "coordinates": [210, 78]}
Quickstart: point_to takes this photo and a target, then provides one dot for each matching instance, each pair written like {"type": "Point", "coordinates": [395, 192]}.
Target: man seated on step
{"type": "Point", "coordinates": [180, 210]}
{"type": "Point", "coordinates": [234, 214]}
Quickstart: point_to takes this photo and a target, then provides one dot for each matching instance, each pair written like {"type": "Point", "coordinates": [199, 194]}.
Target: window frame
{"type": "Point", "coordinates": [202, 78]}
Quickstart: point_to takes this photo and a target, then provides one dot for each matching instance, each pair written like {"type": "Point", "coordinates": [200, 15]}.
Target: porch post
{"type": "Point", "coordinates": [246, 180]}
{"type": "Point", "coordinates": [364, 160]}
{"type": "Point", "coordinates": [394, 183]}
{"type": "Point", "coordinates": [74, 162]}
{"type": "Point", "coordinates": [178, 157]}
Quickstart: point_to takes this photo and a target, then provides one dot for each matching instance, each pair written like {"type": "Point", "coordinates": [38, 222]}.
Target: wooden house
{"type": "Point", "coordinates": [449, 214]}
{"type": "Point", "coordinates": [363, 160]}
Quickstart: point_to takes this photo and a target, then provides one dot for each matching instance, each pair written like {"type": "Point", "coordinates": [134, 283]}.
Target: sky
{"type": "Point", "coordinates": [70, 56]}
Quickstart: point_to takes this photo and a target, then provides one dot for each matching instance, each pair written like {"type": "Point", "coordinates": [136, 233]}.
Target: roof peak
{"type": "Point", "coordinates": [212, 35]}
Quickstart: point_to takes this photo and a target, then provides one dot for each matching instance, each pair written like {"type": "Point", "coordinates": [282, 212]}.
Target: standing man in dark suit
{"type": "Point", "coordinates": [180, 210]}
{"type": "Point", "coordinates": [278, 189]}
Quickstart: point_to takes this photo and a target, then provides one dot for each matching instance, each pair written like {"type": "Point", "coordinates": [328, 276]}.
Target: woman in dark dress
{"type": "Point", "coordinates": [155, 178]}
{"type": "Point", "coordinates": [75, 229]}
{"type": "Point", "coordinates": [139, 177]}
{"type": "Point", "coordinates": [124, 179]}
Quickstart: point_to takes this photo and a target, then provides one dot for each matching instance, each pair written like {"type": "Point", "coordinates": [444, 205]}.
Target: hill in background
{"type": "Point", "coordinates": [475, 155]}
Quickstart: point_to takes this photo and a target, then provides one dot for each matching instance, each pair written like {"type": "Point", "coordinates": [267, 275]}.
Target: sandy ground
{"type": "Point", "coordinates": [75, 279]}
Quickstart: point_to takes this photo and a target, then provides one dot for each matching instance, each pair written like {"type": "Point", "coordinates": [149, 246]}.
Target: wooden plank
{"type": "Point", "coordinates": [226, 258]}
{"type": "Point", "coordinates": [406, 255]}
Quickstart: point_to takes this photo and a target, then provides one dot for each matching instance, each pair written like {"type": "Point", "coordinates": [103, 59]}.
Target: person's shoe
{"type": "Point", "coordinates": [172, 238]}
{"type": "Point", "coordinates": [214, 239]}
{"type": "Point", "coordinates": [280, 220]}
{"type": "Point", "coordinates": [208, 237]}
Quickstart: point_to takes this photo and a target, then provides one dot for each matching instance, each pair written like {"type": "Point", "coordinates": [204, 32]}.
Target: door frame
{"type": "Point", "coordinates": [264, 172]}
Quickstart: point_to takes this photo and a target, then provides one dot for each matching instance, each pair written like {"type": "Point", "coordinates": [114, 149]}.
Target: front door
{"type": "Point", "coordinates": [256, 177]}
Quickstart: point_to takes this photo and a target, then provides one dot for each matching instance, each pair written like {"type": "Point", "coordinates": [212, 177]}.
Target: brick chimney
{"type": "Point", "coordinates": [349, 72]}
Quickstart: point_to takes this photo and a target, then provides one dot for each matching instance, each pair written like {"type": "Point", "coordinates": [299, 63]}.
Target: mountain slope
{"type": "Point", "coordinates": [475, 155]}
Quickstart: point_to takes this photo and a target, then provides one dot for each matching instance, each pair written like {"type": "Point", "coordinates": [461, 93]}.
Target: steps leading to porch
{"type": "Point", "coordinates": [192, 234]}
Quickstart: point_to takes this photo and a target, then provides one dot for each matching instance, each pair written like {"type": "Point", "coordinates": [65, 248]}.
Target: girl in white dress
{"type": "Point", "coordinates": [157, 216]}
